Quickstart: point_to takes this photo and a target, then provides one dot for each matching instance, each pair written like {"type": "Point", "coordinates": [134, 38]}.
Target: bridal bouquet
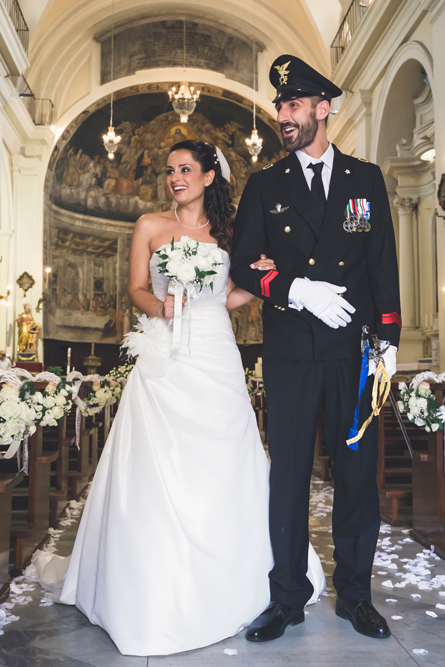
{"type": "Point", "coordinates": [421, 406]}
{"type": "Point", "coordinates": [189, 264]}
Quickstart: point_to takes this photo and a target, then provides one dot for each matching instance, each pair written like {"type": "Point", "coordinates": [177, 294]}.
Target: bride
{"type": "Point", "coordinates": [173, 549]}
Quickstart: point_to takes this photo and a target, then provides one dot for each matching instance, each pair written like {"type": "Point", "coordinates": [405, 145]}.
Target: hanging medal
{"type": "Point", "coordinates": [357, 216]}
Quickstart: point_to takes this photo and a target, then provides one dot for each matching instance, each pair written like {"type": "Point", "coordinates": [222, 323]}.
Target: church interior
{"type": "Point", "coordinates": [93, 94]}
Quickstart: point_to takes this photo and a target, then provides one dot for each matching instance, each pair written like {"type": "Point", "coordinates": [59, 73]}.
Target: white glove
{"type": "Point", "coordinates": [390, 359]}
{"type": "Point", "coordinates": [322, 299]}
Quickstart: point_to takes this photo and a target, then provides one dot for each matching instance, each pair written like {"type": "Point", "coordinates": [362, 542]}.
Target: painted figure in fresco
{"type": "Point", "coordinates": [28, 330]}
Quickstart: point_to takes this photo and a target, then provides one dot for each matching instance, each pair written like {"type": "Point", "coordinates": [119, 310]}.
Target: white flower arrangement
{"type": "Point", "coordinates": [122, 371]}
{"type": "Point", "coordinates": [17, 414]}
{"type": "Point", "coordinates": [105, 392]}
{"type": "Point", "coordinates": [54, 403]}
{"type": "Point", "coordinates": [421, 406]}
{"type": "Point", "coordinates": [189, 263]}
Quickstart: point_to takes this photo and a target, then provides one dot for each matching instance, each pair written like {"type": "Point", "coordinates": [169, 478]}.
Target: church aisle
{"type": "Point", "coordinates": [408, 582]}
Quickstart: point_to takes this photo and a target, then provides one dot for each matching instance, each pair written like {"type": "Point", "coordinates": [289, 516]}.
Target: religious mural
{"type": "Point", "coordinates": [93, 203]}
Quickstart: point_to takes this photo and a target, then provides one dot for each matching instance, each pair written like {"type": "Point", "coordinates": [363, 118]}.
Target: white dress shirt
{"type": "Point", "coordinates": [328, 160]}
{"type": "Point", "coordinates": [305, 160]}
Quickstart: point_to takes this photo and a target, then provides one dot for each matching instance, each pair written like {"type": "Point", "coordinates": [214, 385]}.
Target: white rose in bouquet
{"type": "Point", "coordinates": [400, 406]}
{"type": "Point", "coordinates": [434, 427]}
{"type": "Point", "coordinates": [173, 266]}
{"type": "Point", "coordinates": [186, 272]}
{"type": "Point", "coordinates": [60, 400]}
{"type": "Point", "coordinates": [11, 408]}
{"type": "Point", "coordinates": [424, 389]}
{"type": "Point", "coordinates": [49, 401]}
{"type": "Point", "coordinates": [422, 403]}
{"type": "Point", "coordinates": [174, 254]}
{"type": "Point", "coordinates": [103, 395]}
{"type": "Point", "coordinates": [419, 422]}
{"type": "Point", "coordinates": [51, 387]}
{"type": "Point", "coordinates": [402, 386]}
{"type": "Point", "coordinates": [58, 412]}
{"type": "Point", "coordinates": [38, 397]}
{"type": "Point", "coordinates": [63, 392]}
{"type": "Point", "coordinates": [201, 262]}
{"type": "Point", "coordinates": [9, 389]}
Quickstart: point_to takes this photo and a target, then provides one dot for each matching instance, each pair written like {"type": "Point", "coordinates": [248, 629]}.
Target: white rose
{"type": "Point", "coordinates": [402, 386]}
{"type": "Point", "coordinates": [10, 408]}
{"type": "Point", "coordinates": [50, 387]}
{"type": "Point", "coordinates": [186, 272]}
{"type": "Point", "coordinates": [13, 427]}
{"type": "Point", "coordinates": [175, 254]}
{"type": "Point", "coordinates": [401, 406]}
{"type": "Point", "coordinates": [60, 400]}
{"type": "Point", "coordinates": [410, 417]}
{"type": "Point", "coordinates": [201, 262]}
{"type": "Point", "coordinates": [57, 412]}
{"type": "Point", "coordinates": [427, 429]}
{"type": "Point", "coordinates": [412, 400]}
{"type": "Point", "coordinates": [103, 395]}
{"type": "Point", "coordinates": [419, 422]}
{"type": "Point", "coordinates": [10, 390]}
{"type": "Point", "coordinates": [173, 266]}
{"type": "Point", "coordinates": [434, 427]}
{"type": "Point", "coordinates": [48, 402]}
{"type": "Point", "coordinates": [422, 403]}
{"type": "Point", "coordinates": [38, 397]}
{"type": "Point", "coordinates": [63, 392]}
{"type": "Point", "coordinates": [424, 389]}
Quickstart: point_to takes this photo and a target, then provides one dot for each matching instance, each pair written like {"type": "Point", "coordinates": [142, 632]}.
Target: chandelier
{"type": "Point", "coordinates": [184, 99]}
{"type": "Point", "coordinates": [255, 143]}
{"type": "Point", "coordinates": [111, 140]}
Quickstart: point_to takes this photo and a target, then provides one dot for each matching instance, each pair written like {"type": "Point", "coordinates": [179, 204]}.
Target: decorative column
{"type": "Point", "coordinates": [407, 208]}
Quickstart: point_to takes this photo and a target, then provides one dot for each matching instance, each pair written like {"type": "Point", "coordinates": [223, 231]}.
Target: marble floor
{"type": "Point", "coordinates": [408, 589]}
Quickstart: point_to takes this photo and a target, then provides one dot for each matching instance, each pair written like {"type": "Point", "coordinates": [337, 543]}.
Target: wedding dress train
{"type": "Point", "coordinates": [173, 549]}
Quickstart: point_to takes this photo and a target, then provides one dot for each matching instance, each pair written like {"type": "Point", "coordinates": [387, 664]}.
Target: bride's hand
{"type": "Point", "coordinates": [168, 309]}
{"type": "Point", "coordinates": [264, 264]}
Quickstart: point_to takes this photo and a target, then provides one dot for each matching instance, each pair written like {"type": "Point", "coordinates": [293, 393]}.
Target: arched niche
{"type": "Point", "coordinates": [92, 203]}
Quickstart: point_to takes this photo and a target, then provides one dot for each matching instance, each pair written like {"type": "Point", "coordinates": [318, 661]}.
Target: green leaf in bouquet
{"type": "Point", "coordinates": [27, 389]}
{"type": "Point", "coordinates": [172, 244]}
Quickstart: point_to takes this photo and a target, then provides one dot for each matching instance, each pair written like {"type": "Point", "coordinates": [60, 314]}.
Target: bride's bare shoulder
{"type": "Point", "coordinates": [153, 222]}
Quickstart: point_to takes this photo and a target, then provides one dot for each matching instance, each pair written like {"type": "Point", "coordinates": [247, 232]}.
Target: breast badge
{"type": "Point", "coordinates": [358, 214]}
{"type": "Point", "coordinates": [279, 209]}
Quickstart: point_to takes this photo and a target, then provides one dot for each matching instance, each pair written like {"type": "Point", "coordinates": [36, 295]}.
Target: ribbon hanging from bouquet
{"type": "Point", "coordinates": [178, 289]}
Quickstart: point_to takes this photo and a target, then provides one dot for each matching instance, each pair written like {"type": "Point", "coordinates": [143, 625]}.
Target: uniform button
{"type": "Point", "coordinates": [287, 230]}
{"type": "Point", "coordinates": [312, 261]}
{"type": "Point", "coordinates": [341, 263]}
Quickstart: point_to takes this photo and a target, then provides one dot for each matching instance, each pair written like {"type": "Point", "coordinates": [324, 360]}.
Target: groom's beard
{"type": "Point", "coordinates": [305, 137]}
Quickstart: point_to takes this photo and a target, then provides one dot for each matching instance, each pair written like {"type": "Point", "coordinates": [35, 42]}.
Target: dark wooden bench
{"type": "Point", "coordinates": [7, 484]}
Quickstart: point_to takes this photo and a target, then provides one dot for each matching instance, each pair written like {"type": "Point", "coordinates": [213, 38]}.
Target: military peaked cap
{"type": "Point", "coordinates": [293, 78]}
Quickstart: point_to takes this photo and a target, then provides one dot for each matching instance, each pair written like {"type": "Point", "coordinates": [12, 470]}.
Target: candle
{"type": "Point", "coordinates": [68, 361]}
{"type": "Point", "coordinates": [48, 271]}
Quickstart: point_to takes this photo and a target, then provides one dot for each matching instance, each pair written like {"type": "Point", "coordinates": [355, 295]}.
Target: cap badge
{"type": "Point", "coordinates": [279, 209]}
{"type": "Point", "coordinates": [283, 72]}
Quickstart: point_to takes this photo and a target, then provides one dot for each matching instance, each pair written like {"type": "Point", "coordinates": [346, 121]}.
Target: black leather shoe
{"type": "Point", "coordinates": [272, 623]}
{"type": "Point", "coordinates": [364, 618]}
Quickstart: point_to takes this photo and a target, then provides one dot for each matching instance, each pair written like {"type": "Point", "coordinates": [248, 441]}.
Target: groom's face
{"type": "Point", "coordinates": [298, 123]}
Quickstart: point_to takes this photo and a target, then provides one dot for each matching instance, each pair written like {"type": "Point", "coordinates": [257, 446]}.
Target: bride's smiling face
{"type": "Point", "coordinates": [185, 179]}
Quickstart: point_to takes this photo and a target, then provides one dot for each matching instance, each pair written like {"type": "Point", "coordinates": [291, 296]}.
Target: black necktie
{"type": "Point", "coordinates": [318, 193]}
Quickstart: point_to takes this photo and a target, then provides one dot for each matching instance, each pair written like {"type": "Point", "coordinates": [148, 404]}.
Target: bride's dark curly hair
{"type": "Point", "coordinates": [217, 201]}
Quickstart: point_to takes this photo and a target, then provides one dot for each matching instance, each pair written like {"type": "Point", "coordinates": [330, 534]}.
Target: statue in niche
{"type": "Point", "coordinates": [29, 331]}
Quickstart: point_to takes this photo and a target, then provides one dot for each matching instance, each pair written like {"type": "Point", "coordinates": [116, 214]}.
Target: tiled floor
{"type": "Point", "coordinates": [55, 636]}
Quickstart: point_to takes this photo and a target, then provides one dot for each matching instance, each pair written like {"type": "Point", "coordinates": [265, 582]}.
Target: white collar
{"type": "Point", "coordinates": [327, 158]}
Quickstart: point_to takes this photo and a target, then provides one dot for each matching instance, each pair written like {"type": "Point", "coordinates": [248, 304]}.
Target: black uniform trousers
{"type": "Point", "coordinates": [296, 390]}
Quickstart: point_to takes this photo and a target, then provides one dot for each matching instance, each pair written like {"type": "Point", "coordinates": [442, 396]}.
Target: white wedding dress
{"type": "Point", "coordinates": [173, 549]}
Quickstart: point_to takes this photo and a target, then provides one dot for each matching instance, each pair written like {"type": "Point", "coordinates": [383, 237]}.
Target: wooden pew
{"type": "Point", "coordinates": [7, 484]}
{"type": "Point", "coordinates": [394, 468]}
{"type": "Point", "coordinates": [83, 461]}
{"type": "Point", "coordinates": [429, 489]}
{"type": "Point", "coordinates": [56, 439]}
{"type": "Point", "coordinates": [31, 501]}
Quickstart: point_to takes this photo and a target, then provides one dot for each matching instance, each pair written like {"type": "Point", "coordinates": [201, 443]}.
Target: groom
{"type": "Point", "coordinates": [324, 218]}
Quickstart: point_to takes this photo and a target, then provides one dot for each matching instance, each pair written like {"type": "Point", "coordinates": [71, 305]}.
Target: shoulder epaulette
{"type": "Point", "coordinates": [362, 159]}
{"type": "Point", "coordinates": [267, 166]}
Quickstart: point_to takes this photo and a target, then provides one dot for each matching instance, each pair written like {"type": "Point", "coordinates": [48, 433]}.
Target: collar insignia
{"type": "Point", "coordinates": [286, 171]}
{"type": "Point", "coordinates": [283, 72]}
{"type": "Point", "coordinates": [347, 171]}
{"type": "Point", "coordinates": [279, 209]}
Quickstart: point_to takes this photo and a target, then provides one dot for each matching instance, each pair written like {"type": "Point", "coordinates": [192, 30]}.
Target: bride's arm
{"type": "Point", "coordinates": [236, 296]}
{"type": "Point", "coordinates": [139, 268]}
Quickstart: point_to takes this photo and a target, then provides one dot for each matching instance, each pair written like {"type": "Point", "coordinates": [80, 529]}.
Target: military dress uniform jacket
{"type": "Point", "coordinates": [276, 217]}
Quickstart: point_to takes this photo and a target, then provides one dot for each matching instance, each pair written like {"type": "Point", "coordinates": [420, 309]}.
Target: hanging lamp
{"type": "Point", "coordinates": [255, 143]}
{"type": "Point", "coordinates": [183, 98]}
{"type": "Point", "coordinates": [111, 140]}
